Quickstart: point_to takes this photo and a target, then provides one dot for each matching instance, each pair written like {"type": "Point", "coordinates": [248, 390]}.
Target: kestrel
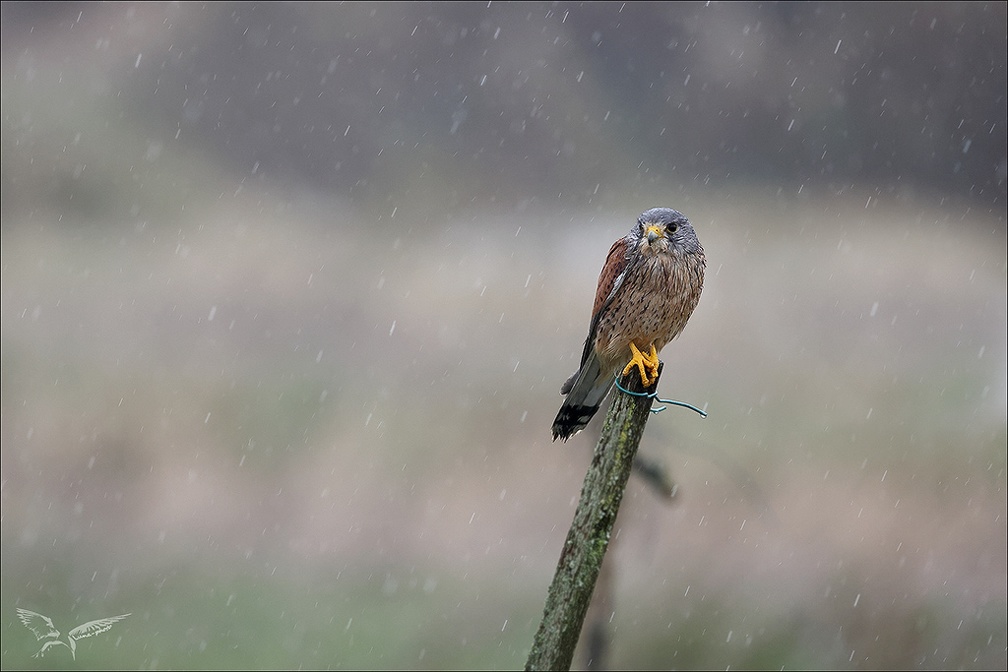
{"type": "Point", "coordinates": [648, 288]}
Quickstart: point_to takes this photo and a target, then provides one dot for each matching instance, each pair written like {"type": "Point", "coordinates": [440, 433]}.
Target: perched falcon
{"type": "Point", "coordinates": [649, 286]}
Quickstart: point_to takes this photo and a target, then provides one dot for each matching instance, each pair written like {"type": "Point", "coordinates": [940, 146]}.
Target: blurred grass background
{"type": "Point", "coordinates": [288, 292]}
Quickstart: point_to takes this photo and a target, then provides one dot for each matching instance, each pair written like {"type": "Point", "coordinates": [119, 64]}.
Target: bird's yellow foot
{"type": "Point", "coordinates": [648, 364]}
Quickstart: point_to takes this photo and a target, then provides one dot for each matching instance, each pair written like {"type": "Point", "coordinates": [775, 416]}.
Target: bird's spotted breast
{"type": "Point", "coordinates": [657, 298]}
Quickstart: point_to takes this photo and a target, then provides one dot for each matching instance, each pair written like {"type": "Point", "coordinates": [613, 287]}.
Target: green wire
{"type": "Point", "coordinates": [654, 395]}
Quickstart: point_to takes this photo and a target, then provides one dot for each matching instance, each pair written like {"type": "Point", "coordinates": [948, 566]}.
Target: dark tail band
{"type": "Point", "coordinates": [571, 420]}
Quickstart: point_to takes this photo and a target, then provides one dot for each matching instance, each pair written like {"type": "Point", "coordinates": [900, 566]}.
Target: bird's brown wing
{"type": "Point", "coordinates": [615, 264]}
{"type": "Point", "coordinates": [609, 281]}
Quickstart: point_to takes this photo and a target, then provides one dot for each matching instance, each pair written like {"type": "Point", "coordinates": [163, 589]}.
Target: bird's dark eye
{"type": "Point", "coordinates": [672, 227]}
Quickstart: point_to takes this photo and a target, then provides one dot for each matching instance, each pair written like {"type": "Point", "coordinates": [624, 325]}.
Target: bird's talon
{"type": "Point", "coordinates": [647, 364]}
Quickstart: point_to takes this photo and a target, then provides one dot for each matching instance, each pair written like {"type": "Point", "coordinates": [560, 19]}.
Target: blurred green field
{"type": "Point", "coordinates": [283, 445]}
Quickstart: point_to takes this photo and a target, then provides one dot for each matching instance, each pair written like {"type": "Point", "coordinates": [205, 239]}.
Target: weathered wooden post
{"type": "Point", "coordinates": [588, 538]}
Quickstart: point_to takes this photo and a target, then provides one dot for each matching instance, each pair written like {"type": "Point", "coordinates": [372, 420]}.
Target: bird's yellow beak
{"type": "Point", "coordinates": [654, 232]}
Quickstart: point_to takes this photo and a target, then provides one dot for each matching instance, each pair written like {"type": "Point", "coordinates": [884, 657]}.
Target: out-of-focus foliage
{"type": "Point", "coordinates": [520, 102]}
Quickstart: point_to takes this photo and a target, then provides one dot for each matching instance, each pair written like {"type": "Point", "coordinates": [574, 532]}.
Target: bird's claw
{"type": "Point", "coordinates": [648, 365]}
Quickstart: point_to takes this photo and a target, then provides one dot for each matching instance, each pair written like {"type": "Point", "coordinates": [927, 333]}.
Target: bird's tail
{"type": "Point", "coordinates": [585, 391]}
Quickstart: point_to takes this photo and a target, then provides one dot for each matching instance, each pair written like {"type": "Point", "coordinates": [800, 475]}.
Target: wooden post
{"type": "Point", "coordinates": [588, 538]}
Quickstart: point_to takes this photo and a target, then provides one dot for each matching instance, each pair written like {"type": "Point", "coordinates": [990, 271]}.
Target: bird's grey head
{"type": "Point", "coordinates": [663, 229]}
